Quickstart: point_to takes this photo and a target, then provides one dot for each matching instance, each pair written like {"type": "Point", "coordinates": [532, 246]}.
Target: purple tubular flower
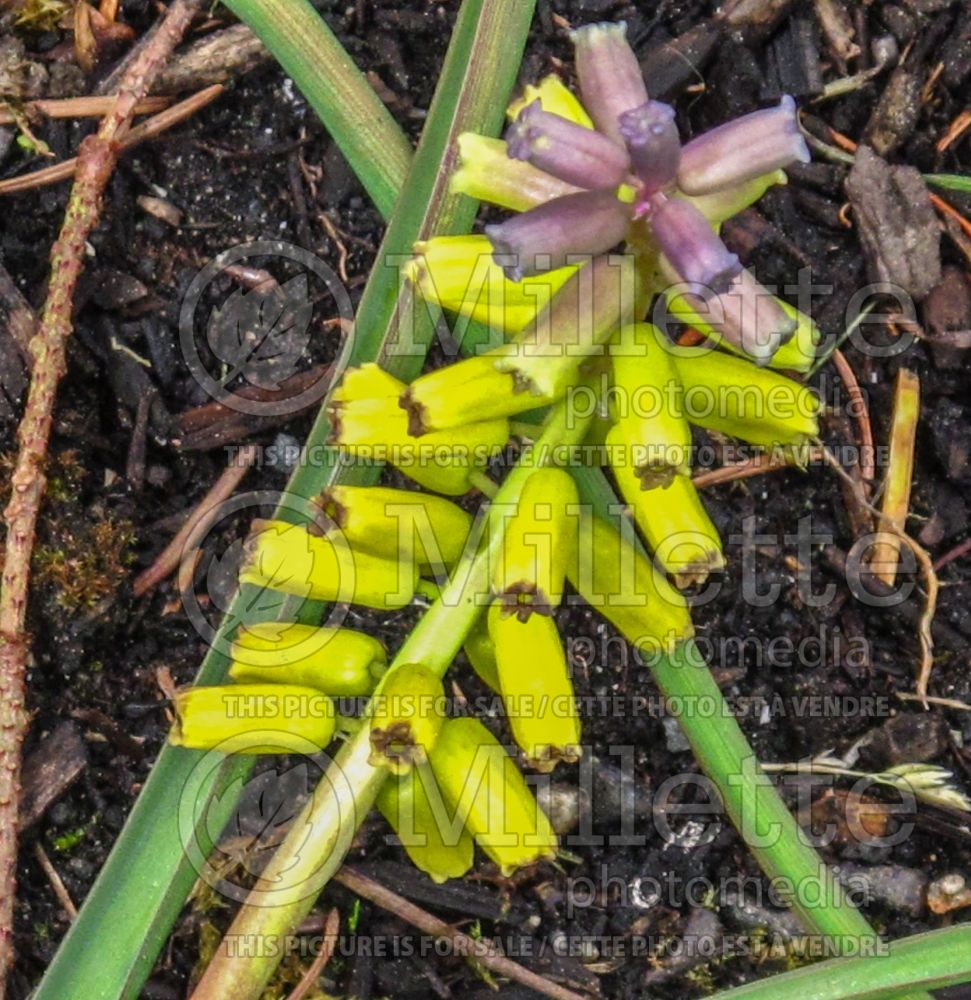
{"type": "Point", "coordinates": [610, 78]}
{"type": "Point", "coordinates": [653, 143]}
{"type": "Point", "coordinates": [743, 149]}
{"type": "Point", "coordinates": [692, 247]}
{"type": "Point", "coordinates": [750, 317]}
{"type": "Point", "coordinates": [548, 236]}
{"type": "Point", "coordinates": [568, 151]}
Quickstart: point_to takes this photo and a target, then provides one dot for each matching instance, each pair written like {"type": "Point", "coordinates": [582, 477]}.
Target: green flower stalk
{"type": "Point", "coordinates": [407, 712]}
{"type": "Point", "coordinates": [483, 786]}
{"type": "Point", "coordinates": [288, 558]}
{"type": "Point", "coordinates": [537, 545]}
{"type": "Point", "coordinates": [646, 404]}
{"type": "Point", "coordinates": [613, 577]}
{"type": "Point", "coordinates": [398, 524]}
{"type": "Point", "coordinates": [413, 806]}
{"type": "Point", "coordinates": [253, 719]}
{"type": "Point", "coordinates": [537, 692]}
{"type": "Point", "coordinates": [337, 661]}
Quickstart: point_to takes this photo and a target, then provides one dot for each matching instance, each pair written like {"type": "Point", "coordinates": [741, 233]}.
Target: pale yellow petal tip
{"type": "Point", "coordinates": [555, 97]}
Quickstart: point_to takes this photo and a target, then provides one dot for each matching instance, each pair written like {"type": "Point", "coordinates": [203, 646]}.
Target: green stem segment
{"type": "Point", "coordinates": [319, 838]}
{"type": "Point", "coordinates": [377, 150]}
{"type": "Point", "coordinates": [924, 961]}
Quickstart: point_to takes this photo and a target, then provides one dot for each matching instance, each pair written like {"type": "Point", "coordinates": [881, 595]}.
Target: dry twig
{"type": "Point", "coordinates": [483, 950]}
{"type": "Point", "coordinates": [182, 548]}
{"type": "Point", "coordinates": [96, 161]}
{"type": "Point", "coordinates": [309, 979]}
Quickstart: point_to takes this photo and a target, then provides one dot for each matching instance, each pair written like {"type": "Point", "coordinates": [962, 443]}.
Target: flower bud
{"type": "Point", "coordinates": [253, 719]}
{"type": "Point", "coordinates": [471, 389]}
{"type": "Point", "coordinates": [573, 154]}
{"type": "Point", "coordinates": [398, 524]}
{"type": "Point", "coordinates": [692, 247]}
{"type": "Point", "coordinates": [553, 96]}
{"type": "Point", "coordinates": [412, 805]}
{"type": "Point", "coordinates": [615, 579]}
{"type": "Point", "coordinates": [747, 316]}
{"type": "Point", "coordinates": [653, 143]}
{"type": "Point", "coordinates": [728, 395]}
{"type": "Point", "coordinates": [460, 274]}
{"type": "Point", "coordinates": [678, 530]}
{"type": "Point", "coordinates": [610, 77]}
{"type": "Point", "coordinates": [407, 712]}
{"type": "Point", "coordinates": [537, 544]}
{"type": "Point", "coordinates": [743, 149]}
{"type": "Point", "coordinates": [337, 661]}
{"type": "Point", "coordinates": [486, 172]}
{"type": "Point", "coordinates": [481, 782]}
{"type": "Point", "coordinates": [555, 233]}
{"type": "Point", "coordinates": [646, 406]}
{"type": "Point", "coordinates": [536, 688]}
{"type": "Point", "coordinates": [286, 557]}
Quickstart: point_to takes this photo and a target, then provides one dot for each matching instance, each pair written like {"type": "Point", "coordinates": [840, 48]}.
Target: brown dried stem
{"type": "Point", "coordinates": [96, 160]}
{"type": "Point", "coordinates": [482, 950]}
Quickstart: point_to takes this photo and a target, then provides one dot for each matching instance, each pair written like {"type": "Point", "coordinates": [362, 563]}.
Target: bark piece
{"type": "Point", "coordinates": [50, 769]}
{"type": "Point", "coordinates": [896, 223]}
{"type": "Point", "coordinates": [897, 111]}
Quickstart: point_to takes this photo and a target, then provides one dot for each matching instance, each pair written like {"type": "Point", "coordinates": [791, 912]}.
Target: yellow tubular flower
{"type": "Point", "coordinates": [537, 545]}
{"type": "Point", "coordinates": [613, 577]}
{"type": "Point", "coordinates": [407, 712]}
{"type": "Point", "coordinates": [286, 557]}
{"type": "Point", "coordinates": [472, 389]}
{"type": "Point", "coordinates": [337, 661]}
{"type": "Point", "coordinates": [722, 205]}
{"type": "Point", "coordinates": [536, 688]}
{"type": "Point", "coordinates": [377, 430]}
{"type": "Point", "coordinates": [253, 719]}
{"type": "Point", "coordinates": [459, 274]}
{"type": "Point", "coordinates": [603, 295]}
{"type": "Point", "coordinates": [555, 97]}
{"type": "Point", "coordinates": [677, 528]}
{"type": "Point", "coordinates": [646, 405]}
{"type": "Point", "coordinates": [731, 396]}
{"type": "Point", "coordinates": [481, 653]}
{"type": "Point", "coordinates": [409, 803]}
{"type": "Point", "coordinates": [367, 381]}
{"type": "Point", "coordinates": [488, 173]}
{"type": "Point", "coordinates": [481, 782]}
{"type": "Point", "coordinates": [398, 524]}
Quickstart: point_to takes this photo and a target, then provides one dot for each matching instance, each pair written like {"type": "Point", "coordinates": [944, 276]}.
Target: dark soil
{"type": "Point", "coordinates": [121, 480]}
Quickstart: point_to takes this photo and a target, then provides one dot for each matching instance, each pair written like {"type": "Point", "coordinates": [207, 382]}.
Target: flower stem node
{"type": "Point", "coordinates": [482, 784]}
{"type": "Point", "coordinates": [253, 719]}
{"type": "Point", "coordinates": [537, 545]}
{"type": "Point", "coordinates": [288, 558]}
{"type": "Point", "coordinates": [339, 662]}
{"type": "Point", "coordinates": [536, 688]}
{"type": "Point", "coordinates": [407, 712]}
